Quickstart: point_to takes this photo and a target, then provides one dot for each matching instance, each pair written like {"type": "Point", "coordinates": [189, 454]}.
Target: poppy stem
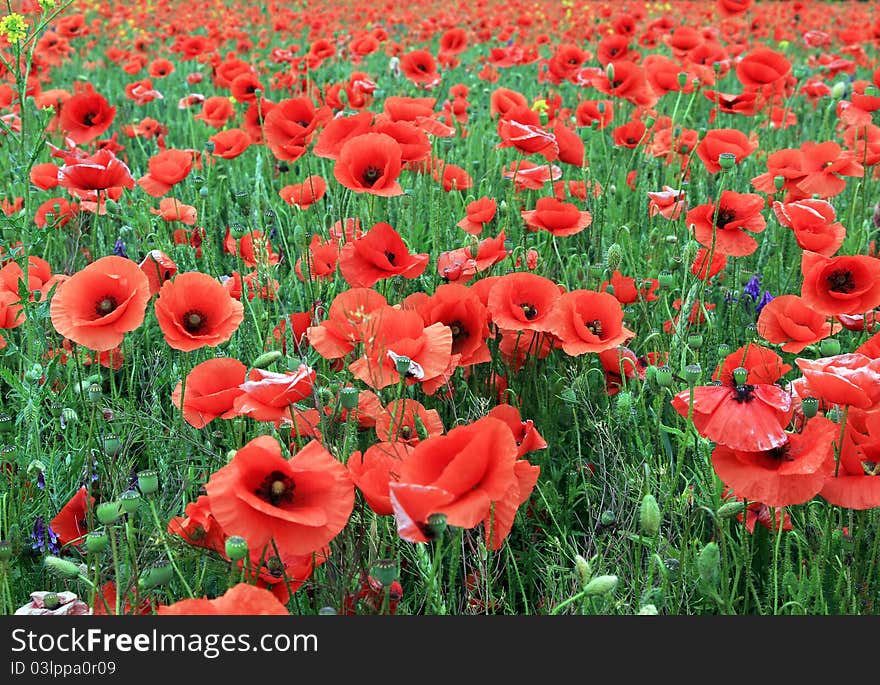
{"type": "Point", "coordinates": [161, 532]}
{"type": "Point", "coordinates": [838, 446]}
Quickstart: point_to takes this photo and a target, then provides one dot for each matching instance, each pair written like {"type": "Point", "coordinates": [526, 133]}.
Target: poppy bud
{"type": "Point", "coordinates": [664, 376]}
{"type": "Point", "coordinates": [63, 568]}
{"type": "Point", "coordinates": [740, 375]}
{"type": "Point", "coordinates": [582, 568]}
{"type": "Point", "coordinates": [682, 79]}
{"type": "Point", "coordinates": [385, 571]}
{"type": "Point", "coordinates": [810, 406]}
{"type": "Point", "coordinates": [838, 90]}
{"type": "Point", "coordinates": [623, 404]}
{"type": "Point", "coordinates": [730, 509]}
{"type": "Point", "coordinates": [267, 359]}
{"type": "Point", "coordinates": [129, 501]}
{"type": "Point", "coordinates": [161, 575]}
{"type": "Point", "coordinates": [96, 542]}
{"type": "Point", "coordinates": [829, 347]}
{"type": "Point", "coordinates": [778, 182]}
{"type": "Point", "coordinates": [601, 585]}
{"type": "Point", "coordinates": [651, 374]}
{"type": "Point", "coordinates": [609, 72]}
{"type": "Point", "coordinates": [649, 122]}
{"type": "Point", "coordinates": [648, 610]}
{"type": "Point", "coordinates": [35, 373]}
{"type": "Point", "coordinates": [614, 256]}
{"type": "Point", "coordinates": [692, 373]}
{"type": "Point", "coordinates": [51, 600]}
{"type": "Point", "coordinates": [727, 160]}
{"type": "Point", "coordinates": [649, 516]}
{"type": "Point", "coordinates": [709, 563]}
{"type": "Point", "coordinates": [148, 482]}
{"type": "Point", "coordinates": [112, 206]}
{"type": "Point", "coordinates": [568, 396]}
{"type": "Point", "coordinates": [608, 518]}
{"type": "Point", "coordinates": [236, 547]}
{"type": "Point", "coordinates": [349, 398]}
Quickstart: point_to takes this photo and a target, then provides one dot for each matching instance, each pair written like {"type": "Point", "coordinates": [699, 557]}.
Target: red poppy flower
{"type": "Point", "coordinates": [268, 396]}
{"type": "Point", "coordinates": [167, 168]}
{"type": "Point", "coordinates": [290, 125]}
{"type": "Point", "coordinates": [762, 364]}
{"type": "Point", "coordinates": [813, 223]}
{"type": "Point", "coordinates": [101, 171]}
{"type": "Point", "coordinates": [459, 308]}
{"type": "Point", "coordinates": [600, 111]}
{"type": "Point", "coordinates": [520, 127]}
{"type": "Point", "coordinates": [630, 135]}
{"type": "Point", "coordinates": [304, 195]}
{"type": "Point", "coordinates": [726, 227]}
{"type": "Point", "coordinates": [374, 470]}
{"type": "Point", "coordinates": [748, 417]}
{"type": "Point", "coordinates": [762, 67]}
{"type": "Point", "coordinates": [420, 68]}
{"type": "Point", "coordinates": [626, 291]}
{"type": "Point", "coordinates": [171, 209]}
{"type": "Point", "coordinates": [198, 526]}
{"type": "Point", "coordinates": [479, 213]}
{"type": "Point", "coordinates": [211, 388]}
{"type": "Point", "coordinates": [230, 143]}
{"type": "Point", "coordinates": [669, 203]}
{"type": "Point", "coordinates": [791, 322]}
{"type": "Point", "coordinates": [216, 111]}
{"type": "Point", "coordinates": [300, 503]}
{"type": "Point", "coordinates": [792, 473]}
{"type": "Point", "coordinates": [98, 305]}
{"type": "Point", "coordinates": [379, 253]}
{"type": "Point", "coordinates": [587, 321]}
{"type": "Point", "coordinates": [523, 301]}
{"type": "Point", "coordinates": [847, 379]}
{"type": "Point", "coordinates": [241, 600]}
{"type": "Point", "coordinates": [527, 437]}
{"type": "Point", "coordinates": [498, 523]}
{"type": "Point", "coordinates": [71, 523]}
{"type": "Point", "coordinates": [840, 285]}
{"type": "Point", "coordinates": [321, 259]}
{"type": "Point", "coordinates": [158, 267]}
{"type": "Point", "coordinates": [350, 321]}
{"type": "Point", "coordinates": [370, 163]}
{"type": "Point", "coordinates": [724, 140]}
{"type": "Point", "coordinates": [461, 474]}
{"type": "Point", "coordinates": [195, 310]}
{"type": "Point", "coordinates": [85, 116]}
{"type": "Point", "coordinates": [408, 421]}
{"type": "Point", "coordinates": [558, 218]}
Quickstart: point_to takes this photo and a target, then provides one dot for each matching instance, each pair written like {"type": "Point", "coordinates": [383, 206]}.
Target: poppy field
{"type": "Point", "coordinates": [519, 307]}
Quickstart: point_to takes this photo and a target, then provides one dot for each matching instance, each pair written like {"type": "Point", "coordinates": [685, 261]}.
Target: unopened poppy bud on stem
{"type": "Point", "coordinates": [829, 347]}
{"type": "Point", "coordinates": [601, 585]}
{"type": "Point", "coordinates": [708, 564]}
{"type": "Point", "coordinates": [649, 516]}
{"type": "Point", "coordinates": [582, 568]}
{"type": "Point", "coordinates": [614, 256]}
{"type": "Point", "coordinates": [730, 509]}
{"type": "Point", "coordinates": [266, 359]}
{"type": "Point", "coordinates": [62, 568]}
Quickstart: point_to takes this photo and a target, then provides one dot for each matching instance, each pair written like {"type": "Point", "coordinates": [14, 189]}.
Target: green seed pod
{"type": "Point", "coordinates": [723, 350]}
{"type": "Point", "coordinates": [601, 585]}
{"type": "Point", "coordinates": [664, 376]}
{"type": "Point", "coordinates": [266, 359]}
{"type": "Point", "coordinates": [437, 524]}
{"type": "Point", "coordinates": [727, 160]}
{"type": "Point", "coordinates": [730, 509]}
{"type": "Point", "coordinates": [327, 611]}
{"type": "Point", "coordinates": [666, 279]}
{"type": "Point", "coordinates": [695, 341]}
{"type": "Point", "coordinates": [96, 542]}
{"type": "Point", "coordinates": [385, 571]}
{"type": "Point", "coordinates": [7, 423]}
{"type": "Point", "coordinates": [154, 577]}
{"type": "Point", "coordinates": [682, 79]}
{"type": "Point", "coordinates": [129, 501]}
{"type": "Point", "coordinates": [778, 182]}
{"type": "Point", "coordinates": [829, 347]}
{"type": "Point", "coordinates": [349, 398]}
{"type": "Point", "coordinates": [608, 518]}
{"type": "Point", "coordinates": [810, 406]}
{"type": "Point", "coordinates": [112, 446]}
{"type": "Point", "coordinates": [5, 551]}
{"type": "Point", "coordinates": [51, 600]}
{"type": "Point", "coordinates": [148, 482]}
{"type": "Point", "coordinates": [108, 512]}
{"type": "Point", "coordinates": [649, 516]}
{"type": "Point", "coordinates": [63, 568]}
{"type": "Point", "coordinates": [740, 375]}
{"type": "Point", "coordinates": [402, 364]}
{"type": "Point", "coordinates": [709, 564]}
{"type": "Point", "coordinates": [692, 373]}
{"type": "Point", "coordinates": [236, 547]}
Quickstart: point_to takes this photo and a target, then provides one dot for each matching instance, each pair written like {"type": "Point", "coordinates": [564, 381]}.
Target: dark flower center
{"type": "Point", "coordinates": [780, 453]}
{"type": "Point", "coordinates": [106, 305]}
{"type": "Point", "coordinates": [871, 468]}
{"type": "Point", "coordinates": [594, 326]}
{"type": "Point", "coordinates": [421, 67]}
{"type": "Point", "coordinates": [194, 321]}
{"type": "Point", "coordinates": [529, 311]}
{"type": "Point", "coordinates": [406, 432]}
{"type": "Point", "coordinates": [371, 175]}
{"type": "Point", "coordinates": [275, 567]}
{"type": "Point", "coordinates": [744, 393]}
{"type": "Point", "coordinates": [725, 216]}
{"type": "Point", "coordinates": [89, 118]}
{"type": "Point", "coordinates": [841, 281]}
{"type": "Point", "coordinates": [276, 489]}
{"type": "Point", "coordinates": [390, 256]}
